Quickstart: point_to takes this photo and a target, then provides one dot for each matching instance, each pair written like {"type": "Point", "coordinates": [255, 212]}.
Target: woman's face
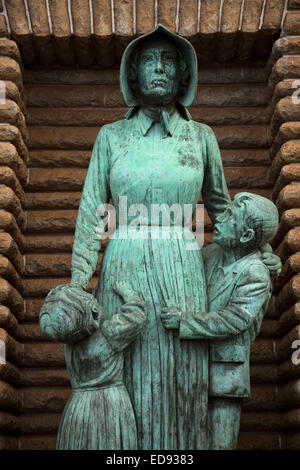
{"type": "Point", "coordinates": [158, 74]}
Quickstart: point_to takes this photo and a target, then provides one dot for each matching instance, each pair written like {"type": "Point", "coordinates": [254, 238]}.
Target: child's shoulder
{"type": "Point", "coordinates": [211, 252]}
{"type": "Point", "coordinates": [255, 270]}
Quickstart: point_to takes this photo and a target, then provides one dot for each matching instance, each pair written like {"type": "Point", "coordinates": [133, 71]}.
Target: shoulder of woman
{"type": "Point", "coordinates": [202, 128]}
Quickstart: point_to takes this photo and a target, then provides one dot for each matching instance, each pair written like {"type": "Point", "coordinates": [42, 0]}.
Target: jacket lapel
{"type": "Point", "coordinates": [229, 280]}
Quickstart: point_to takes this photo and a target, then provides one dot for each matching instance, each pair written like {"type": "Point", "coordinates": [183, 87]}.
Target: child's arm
{"type": "Point", "coordinates": [252, 293]}
{"type": "Point", "coordinates": [122, 328]}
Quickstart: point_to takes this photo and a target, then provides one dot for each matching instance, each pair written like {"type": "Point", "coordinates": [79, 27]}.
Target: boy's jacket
{"type": "Point", "coordinates": [236, 305]}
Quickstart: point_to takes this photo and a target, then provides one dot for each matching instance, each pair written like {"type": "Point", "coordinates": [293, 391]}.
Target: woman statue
{"type": "Point", "coordinates": [157, 155]}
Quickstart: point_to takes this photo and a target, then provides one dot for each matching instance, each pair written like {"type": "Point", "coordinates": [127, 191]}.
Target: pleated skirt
{"type": "Point", "coordinates": [100, 419]}
{"type": "Point", "coordinates": [167, 378]}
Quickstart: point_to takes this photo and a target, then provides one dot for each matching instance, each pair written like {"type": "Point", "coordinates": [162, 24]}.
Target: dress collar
{"type": "Point", "coordinates": [168, 121]}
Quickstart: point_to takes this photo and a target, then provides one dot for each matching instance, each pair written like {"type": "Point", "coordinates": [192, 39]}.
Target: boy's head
{"type": "Point", "coordinates": [250, 222]}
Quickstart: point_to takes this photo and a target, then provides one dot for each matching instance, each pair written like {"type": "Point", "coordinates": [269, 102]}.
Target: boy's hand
{"type": "Point", "coordinates": [170, 317]}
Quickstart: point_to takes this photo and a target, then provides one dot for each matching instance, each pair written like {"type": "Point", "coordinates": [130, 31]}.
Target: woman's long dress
{"type": "Point", "coordinates": [167, 378]}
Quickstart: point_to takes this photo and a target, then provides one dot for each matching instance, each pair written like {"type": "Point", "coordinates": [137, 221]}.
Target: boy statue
{"type": "Point", "coordinates": [239, 289]}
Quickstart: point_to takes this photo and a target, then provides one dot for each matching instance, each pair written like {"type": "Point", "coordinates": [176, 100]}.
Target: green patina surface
{"type": "Point", "coordinates": [145, 367]}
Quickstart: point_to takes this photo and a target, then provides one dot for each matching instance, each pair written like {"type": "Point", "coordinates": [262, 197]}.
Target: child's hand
{"type": "Point", "coordinates": [125, 290]}
{"type": "Point", "coordinates": [170, 317]}
{"type": "Point", "coordinates": [273, 263]}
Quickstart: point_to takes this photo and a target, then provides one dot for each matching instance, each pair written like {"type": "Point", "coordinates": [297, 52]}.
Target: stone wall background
{"type": "Point", "coordinates": [43, 162]}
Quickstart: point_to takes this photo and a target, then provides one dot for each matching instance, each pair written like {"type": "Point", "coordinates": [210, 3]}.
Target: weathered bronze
{"type": "Point", "coordinates": [157, 155]}
{"type": "Point", "coordinates": [238, 290]}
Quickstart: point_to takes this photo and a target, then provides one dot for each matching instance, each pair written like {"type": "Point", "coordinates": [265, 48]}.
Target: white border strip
{"type": "Point", "coordinates": [49, 17]}
{"type": "Point", "coordinates": [241, 15]}
{"type": "Point", "coordinates": [177, 16]}
{"type": "Point", "coordinates": [262, 14]}
{"type": "Point", "coordinates": [70, 17]}
{"type": "Point", "coordinates": [156, 12]}
{"type": "Point", "coordinates": [91, 16]}
{"type": "Point", "coordinates": [112, 16]}
{"type": "Point", "coordinates": [285, 10]}
{"type": "Point", "coordinates": [134, 16]}
{"type": "Point", "coordinates": [198, 16]}
{"type": "Point", "coordinates": [28, 16]}
{"type": "Point", "coordinates": [220, 15]}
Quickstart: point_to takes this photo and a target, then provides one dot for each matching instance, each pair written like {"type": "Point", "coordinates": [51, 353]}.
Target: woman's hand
{"type": "Point", "coordinates": [170, 317]}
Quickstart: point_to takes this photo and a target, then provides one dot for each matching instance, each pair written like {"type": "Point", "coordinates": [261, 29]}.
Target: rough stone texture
{"type": "Point", "coordinates": [273, 14]}
{"type": "Point", "coordinates": [123, 13]}
{"type": "Point", "coordinates": [10, 70]}
{"type": "Point", "coordinates": [3, 27]}
{"type": "Point", "coordinates": [39, 17]}
{"type": "Point", "coordinates": [288, 174]}
{"type": "Point", "coordinates": [7, 319]}
{"type": "Point", "coordinates": [10, 249]}
{"type": "Point", "coordinates": [13, 135]}
{"type": "Point", "coordinates": [285, 46]}
{"type": "Point", "coordinates": [81, 17]}
{"type": "Point", "coordinates": [41, 354]}
{"type": "Point", "coordinates": [285, 67]}
{"type": "Point", "coordinates": [10, 374]}
{"type": "Point", "coordinates": [34, 424]}
{"type": "Point", "coordinates": [288, 131]}
{"type": "Point", "coordinates": [8, 272]}
{"type": "Point", "coordinates": [99, 116]}
{"type": "Point", "coordinates": [289, 153]}
{"type": "Point", "coordinates": [231, 16]}
{"type": "Point", "coordinates": [30, 333]}
{"type": "Point", "coordinates": [289, 219]}
{"type": "Point", "coordinates": [14, 349]}
{"type": "Point", "coordinates": [37, 442]}
{"type": "Point", "coordinates": [17, 17]}
{"type": "Point", "coordinates": [291, 26]}
{"type": "Point", "coordinates": [8, 224]}
{"type": "Point", "coordinates": [188, 17]}
{"type": "Point", "coordinates": [45, 377]}
{"type": "Point", "coordinates": [289, 197]}
{"type": "Point", "coordinates": [259, 441]}
{"type": "Point", "coordinates": [245, 157]}
{"type": "Point", "coordinates": [167, 14]}
{"type": "Point", "coordinates": [293, 4]}
{"type": "Point", "coordinates": [60, 18]}
{"type": "Point", "coordinates": [290, 244]}
{"type": "Point", "coordinates": [10, 202]}
{"type": "Point", "coordinates": [251, 16]}
{"type": "Point", "coordinates": [10, 157]}
{"type": "Point", "coordinates": [10, 397]}
{"type": "Point", "coordinates": [13, 176]}
{"type": "Point", "coordinates": [106, 48]}
{"type": "Point", "coordinates": [145, 16]}
{"type": "Point", "coordinates": [285, 110]}
{"type": "Point", "coordinates": [209, 16]}
{"type": "Point", "coordinates": [289, 394]}
{"type": "Point", "coordinates": [102, 17]}
{"type": "Point", "coordinates": [10, 113]}
{"type": "Point", "coordinates": [8, 177]}
{"type": "Point", "coordinates": [41, 400]}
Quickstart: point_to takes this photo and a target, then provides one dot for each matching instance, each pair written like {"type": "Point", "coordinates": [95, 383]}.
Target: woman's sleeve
{"type": "Point", "coordinates": [214, 189]}
{"type": "Point", "coordinates": [95, 192]}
